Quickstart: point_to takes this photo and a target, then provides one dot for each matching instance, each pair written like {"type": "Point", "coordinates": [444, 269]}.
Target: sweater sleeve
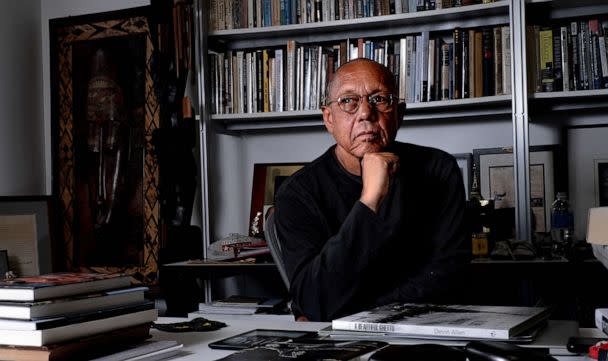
{"type": "Point", "coordinates": [325, 270]}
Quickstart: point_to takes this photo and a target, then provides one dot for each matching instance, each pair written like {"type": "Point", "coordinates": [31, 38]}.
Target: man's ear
{"type": "Point", "coordinates": [328, 120]}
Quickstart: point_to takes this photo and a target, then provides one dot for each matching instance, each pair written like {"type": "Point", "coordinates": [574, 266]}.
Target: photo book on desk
{"type": "Point", "coordinates": [307, 350]}
{"type": "Point", "coordinates": [445, 321]}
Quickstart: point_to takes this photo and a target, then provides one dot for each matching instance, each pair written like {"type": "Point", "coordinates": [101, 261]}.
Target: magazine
{"type": "Point", "coordinates": [445, 321]}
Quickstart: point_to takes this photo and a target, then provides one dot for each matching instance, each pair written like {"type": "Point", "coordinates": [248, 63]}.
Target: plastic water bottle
{"type": "Point", "coordinates": [561, 223]}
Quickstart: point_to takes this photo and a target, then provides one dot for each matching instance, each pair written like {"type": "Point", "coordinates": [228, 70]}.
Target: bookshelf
{"type": "Point", "coordinates": [517, 106]}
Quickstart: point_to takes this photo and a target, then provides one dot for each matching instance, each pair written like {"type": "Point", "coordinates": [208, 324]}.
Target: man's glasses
{"type": "Point", "coordinates": [382, 102]}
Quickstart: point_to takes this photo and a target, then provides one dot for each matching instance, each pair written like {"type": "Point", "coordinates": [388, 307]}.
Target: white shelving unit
{"type": "Point", "coordinates": [518, 105]}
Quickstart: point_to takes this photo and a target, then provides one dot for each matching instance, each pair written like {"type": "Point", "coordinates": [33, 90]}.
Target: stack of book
{"type": "Point", "coordinates": [71, 316]}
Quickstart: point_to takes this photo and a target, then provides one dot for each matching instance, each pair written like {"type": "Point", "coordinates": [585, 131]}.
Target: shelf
{"type": "Point", "coordinates": [387, 25]}
{"type": "Point", "coordinates": [437, 110]}
{"type": "Point", "coordinates": [569, 100]}
{"type": "Point", "coordinates": [570, 9]}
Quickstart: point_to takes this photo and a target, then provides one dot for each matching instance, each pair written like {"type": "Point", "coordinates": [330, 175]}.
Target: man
{"type": "Point", "coordinates": [371, 221]}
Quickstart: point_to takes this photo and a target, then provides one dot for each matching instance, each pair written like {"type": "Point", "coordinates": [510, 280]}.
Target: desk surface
{"type": "Point", "coordinates": [195, 343]}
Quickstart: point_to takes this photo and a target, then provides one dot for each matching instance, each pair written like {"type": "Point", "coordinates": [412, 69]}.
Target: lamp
{"type": "Point", "coordinates": [597, 233]}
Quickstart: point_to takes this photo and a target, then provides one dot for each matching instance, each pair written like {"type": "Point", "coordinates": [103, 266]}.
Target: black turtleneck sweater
{"type": "Point", "coordinates": [342, 258]}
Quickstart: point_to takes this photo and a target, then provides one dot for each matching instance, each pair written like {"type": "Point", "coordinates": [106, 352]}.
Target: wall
{"type": "Point", "coordinates": [22, 169]}
{"type": "Point", "coordinates": [231, 209]}
{"type": "Point", "coordinates": [51, 9]}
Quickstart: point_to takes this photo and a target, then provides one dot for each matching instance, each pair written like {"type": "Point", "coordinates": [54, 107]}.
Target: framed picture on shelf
{"type": "Point", "coordinates": [495, 174]}
{"type": "Point", "coordinates": [25, 235]}
{"type": "Point", "coordinates": [465, 163]}
{"type": "Point", "coordinates": [588, 172]}
{"type": "Point", "coordinates": [104, 110]}
{"type": "Point", "coordinates": [267, 178]}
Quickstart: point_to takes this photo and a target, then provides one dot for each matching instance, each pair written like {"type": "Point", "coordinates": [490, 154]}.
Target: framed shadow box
{"type": "Point", "coordinates": [104, 110]}
{"type": "Point", "coordinates": [494, 172]}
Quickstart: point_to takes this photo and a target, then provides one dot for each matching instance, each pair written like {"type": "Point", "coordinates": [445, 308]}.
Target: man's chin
{"type": "Point", "coordinates": [368, 148]}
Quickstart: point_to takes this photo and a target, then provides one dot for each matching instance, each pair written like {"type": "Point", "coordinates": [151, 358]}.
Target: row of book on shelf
{"type": "Point", "coordinates": [226, 15]}
{"type": "Point", "coordinates": [467, 63]}
{"type": "Point", "coordinates": [70, 316]}
{"type": "Point", "coordinates": [568, 56]}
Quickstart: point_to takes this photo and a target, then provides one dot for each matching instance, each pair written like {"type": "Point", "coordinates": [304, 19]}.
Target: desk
{"type": "Point", "coordinates": [195, 343]}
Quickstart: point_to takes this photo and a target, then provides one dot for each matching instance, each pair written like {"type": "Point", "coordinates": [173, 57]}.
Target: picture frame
{"type": "Point", "coordinates": [104, 110]}
{"type": "Point", "coordinates": [494, 171]}
{"type": "Point", "coordinates": [267, 178]}
{"type": "Point", "coordinates": [587, 156]}
{"type": "Point", "coordinates": [465, 163]}
{"type": "Point", "coordinates": [26, 224]}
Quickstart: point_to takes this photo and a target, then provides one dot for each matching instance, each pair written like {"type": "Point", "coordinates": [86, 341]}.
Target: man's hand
{"type": "Point", "coordinates": [376, 171]}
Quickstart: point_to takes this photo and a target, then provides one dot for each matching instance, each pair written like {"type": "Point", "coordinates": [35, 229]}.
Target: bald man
{"type": "Point", "coordinates": [372, 220]}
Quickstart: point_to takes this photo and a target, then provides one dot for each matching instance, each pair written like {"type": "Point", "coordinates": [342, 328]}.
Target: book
{"type": "Point", "coordinates": [79, 349]}
{"type": "Point", "coordinates": [527, 336]}
{"type": "Point", "coordinates": [52, 322]}
{"type": "Point", "coordinates": [601, 319]}
{"type": "Point", "coordinates": [68, 305]}
{"type": "Point", "coordinates": [259, 337]}
{"type": "Point", "coordinates": [307, 350]}
{"type": "Point", "coordinates": [449, 321]}
{"type": "Point", "coordinates": [59, 285]}
{"type": "Point", "coordinates": [145, 351]}
{"type": "Point", "coordinates": [247, 301]}
{"type": "Point", "coordinates": [68, 328]}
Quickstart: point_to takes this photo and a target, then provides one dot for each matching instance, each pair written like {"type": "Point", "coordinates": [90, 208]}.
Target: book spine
{"type": "Point", "coordinates": [546, 59]}
{"type": "Point", "coordinates": [506, 60]}
{"type": "Point", "coordinates": [465, 65]}
{"type": "Point", "coordinates": [575, 59]}
{"type": "Point", "coordinates": [457, 63]}
{"type": "Point", "coordinates": [291, 62]}
{"type": "Point", "coordinates": [497, 61]}
{"type": "Point", "coordinates": [566, 56]}
{"type": "Point", "coordinates": [445, 71]}
{"type": "Point", "coordinates": [431, 71]}
{"type": "Point", "coordinates": [558, 78]}
{"type": "Point", "coordinates": [487, 61]}
{"type": "Point", "coordinates": [438, 331]}
{"type": "Point", "coordinates": [595, 56]}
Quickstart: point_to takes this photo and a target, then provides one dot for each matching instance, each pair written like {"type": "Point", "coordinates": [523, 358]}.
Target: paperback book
{"type": "Point", "coordinates": [446, 321]}
{"type": "Point", "coordinates": [60, 285]}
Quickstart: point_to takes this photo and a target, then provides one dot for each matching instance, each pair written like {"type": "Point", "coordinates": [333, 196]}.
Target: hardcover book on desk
{"type": "Point", "coordinates": [445, 321]}
{"type": "Point", "coordinates": [59, 285]}
{"type": "Point", "coordinates": [26, 310]}
{"type": "Point", "coordinates": [59, 329]}
{"type": "Point", "coordinates": [79, 349]}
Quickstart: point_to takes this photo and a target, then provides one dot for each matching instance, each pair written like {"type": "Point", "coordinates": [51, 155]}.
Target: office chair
{"type": "Point", "coordinates": [275, 247]}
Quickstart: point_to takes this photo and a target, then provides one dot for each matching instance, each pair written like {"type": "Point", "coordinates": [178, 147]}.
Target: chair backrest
{"type": "Point", "coordinates": [272, 238]}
